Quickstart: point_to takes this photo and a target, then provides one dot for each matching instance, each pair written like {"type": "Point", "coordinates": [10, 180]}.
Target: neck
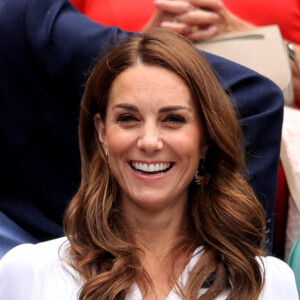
{"type": "Point", "coordinates": [155, 231]}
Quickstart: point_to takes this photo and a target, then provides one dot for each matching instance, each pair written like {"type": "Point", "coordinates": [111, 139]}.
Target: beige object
{"type": "Point", "coordinates": [292, 228]}
{"type": "Point", "coordinates": [261, 50]}
{"type": "Point", "coordinates": [290, 154]}
{"type": "Point", "coordinates": [290, 158]}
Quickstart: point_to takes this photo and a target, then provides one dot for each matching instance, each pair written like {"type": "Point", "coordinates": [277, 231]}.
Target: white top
{"type": "Point", "coordinates": [37, 272]}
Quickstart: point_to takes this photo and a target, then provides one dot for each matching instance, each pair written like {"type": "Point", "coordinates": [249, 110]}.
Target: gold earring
{"type": "Point", "coordinates": [107, 160]}
{"type": "Point", "coordinates": [201, 179]}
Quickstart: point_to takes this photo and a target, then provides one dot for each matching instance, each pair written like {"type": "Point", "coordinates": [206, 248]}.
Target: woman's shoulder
{"type": "Point", "coordinates": [28, 254]}
{"type": "Point", "coordinates": [275, 268]}
{"type": "Point", "coordinates": [28, 271]}
{"type": "Point", "coordinates": [280, 280]}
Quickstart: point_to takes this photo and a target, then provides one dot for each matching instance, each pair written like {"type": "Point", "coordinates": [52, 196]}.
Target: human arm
{"type": "Point", "coordinates": [47, 49]}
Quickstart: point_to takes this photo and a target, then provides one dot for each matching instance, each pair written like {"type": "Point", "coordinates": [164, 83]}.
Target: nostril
{"type": "Point", "coordinates": [150, 143]}
{"type": "Point", "coordinates": [150, 136]}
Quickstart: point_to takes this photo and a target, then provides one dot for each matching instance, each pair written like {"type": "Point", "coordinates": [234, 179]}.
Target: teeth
{"type": "Point", "coordinates": [150, 167]}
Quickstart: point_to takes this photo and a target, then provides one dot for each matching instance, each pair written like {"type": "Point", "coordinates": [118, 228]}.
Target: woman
{"type": "Point", "coordinates": [163, 211]}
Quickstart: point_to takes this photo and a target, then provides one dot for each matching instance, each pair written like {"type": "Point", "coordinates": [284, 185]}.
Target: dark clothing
{"type": "Point", "coordinates": [47, 48]}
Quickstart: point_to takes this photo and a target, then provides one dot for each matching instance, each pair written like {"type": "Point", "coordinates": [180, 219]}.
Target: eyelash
{"type": "Point", "coordinates": [126, 118]}
{"type": "Point", "coordinates": [172, 118]}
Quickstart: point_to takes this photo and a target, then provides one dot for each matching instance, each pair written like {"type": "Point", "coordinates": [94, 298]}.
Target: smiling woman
{"type": "Point", "coordinates": [145, 122]}
{"type": "Point", "coordinates": [163, 211]}
{"type": "Point", "coordinates": [152, 111]}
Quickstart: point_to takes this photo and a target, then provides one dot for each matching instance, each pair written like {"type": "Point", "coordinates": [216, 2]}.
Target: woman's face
{"type": "Point", "coordinates": [153, 137]}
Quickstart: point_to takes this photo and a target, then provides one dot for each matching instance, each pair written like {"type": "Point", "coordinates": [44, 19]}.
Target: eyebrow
{"type": "Point", "coordinates": [161, 110]}
{"type": "Point", "coordinates": [172, 108]}
{"type": "Point", "coordinates": [126, 106]}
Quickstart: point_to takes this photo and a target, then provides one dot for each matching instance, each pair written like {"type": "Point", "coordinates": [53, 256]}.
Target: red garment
{"type": "Point", "coordinates": [130, 15]}
{"type": "Point", "coordinates": [286, 14]}
{"type": "Point", "coordinates": [281, 211]}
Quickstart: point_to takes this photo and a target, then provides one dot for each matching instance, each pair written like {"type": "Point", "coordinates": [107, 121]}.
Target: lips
{"type": "Point", "coordinates": [151, 169]}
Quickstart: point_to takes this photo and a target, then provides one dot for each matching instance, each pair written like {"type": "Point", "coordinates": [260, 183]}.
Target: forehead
{"type": "Point", "coordinates": [143, 84]}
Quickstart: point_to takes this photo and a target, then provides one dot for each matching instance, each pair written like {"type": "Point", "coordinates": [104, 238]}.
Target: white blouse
{"type": "Point", "coordinates": [37, 272]}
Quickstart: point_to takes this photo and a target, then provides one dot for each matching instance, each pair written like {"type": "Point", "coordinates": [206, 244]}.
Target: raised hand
{"type": "Point", "coordinates": [195, 19]}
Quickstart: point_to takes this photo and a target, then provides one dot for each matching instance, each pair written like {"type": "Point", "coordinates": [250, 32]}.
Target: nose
{"type": "Point", "coordinates": [150, 138]}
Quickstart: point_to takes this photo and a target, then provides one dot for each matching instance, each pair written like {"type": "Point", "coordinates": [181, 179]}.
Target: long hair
{"type": "Point", "coordinates": [224, 216]}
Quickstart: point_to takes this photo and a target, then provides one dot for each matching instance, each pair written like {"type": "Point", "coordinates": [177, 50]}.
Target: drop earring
{"type": "Point", "coordinates": [107, 160]}
{"type": "Point", "coordinates": [201, 177]}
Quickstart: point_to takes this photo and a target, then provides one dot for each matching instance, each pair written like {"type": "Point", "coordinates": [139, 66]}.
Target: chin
{"type": "Point", "coordinates": [148, 202]}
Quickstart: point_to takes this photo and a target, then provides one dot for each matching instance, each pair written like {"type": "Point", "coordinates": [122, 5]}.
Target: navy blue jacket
{"type": "Point", "coordinates": [47, 47]}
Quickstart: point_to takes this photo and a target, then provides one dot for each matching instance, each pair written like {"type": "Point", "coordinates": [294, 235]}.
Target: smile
{"type": "Point", "coordinates": [153, 169]}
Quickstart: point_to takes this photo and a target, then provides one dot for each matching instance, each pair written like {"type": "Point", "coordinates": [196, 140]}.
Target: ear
{"type": "Point", "coordinates": [204, 146]}
{"type": "Point", "coordinates": [101, 130]}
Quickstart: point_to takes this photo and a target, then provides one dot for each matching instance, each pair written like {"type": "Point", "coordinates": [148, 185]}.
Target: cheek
{"type": "Point", "coordinates": [118, 141]}
{"type": "Point", "coordinates": [187, 144]}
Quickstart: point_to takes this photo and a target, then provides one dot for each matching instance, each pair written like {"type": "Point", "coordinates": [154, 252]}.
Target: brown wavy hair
{"type": "Point", "coordinates": [224, 216]}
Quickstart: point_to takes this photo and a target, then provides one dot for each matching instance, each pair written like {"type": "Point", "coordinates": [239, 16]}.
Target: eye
{"type": "Point", "coordinates": [126, 118]}
{"type": "Point", "coordinates": [173, 118]}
